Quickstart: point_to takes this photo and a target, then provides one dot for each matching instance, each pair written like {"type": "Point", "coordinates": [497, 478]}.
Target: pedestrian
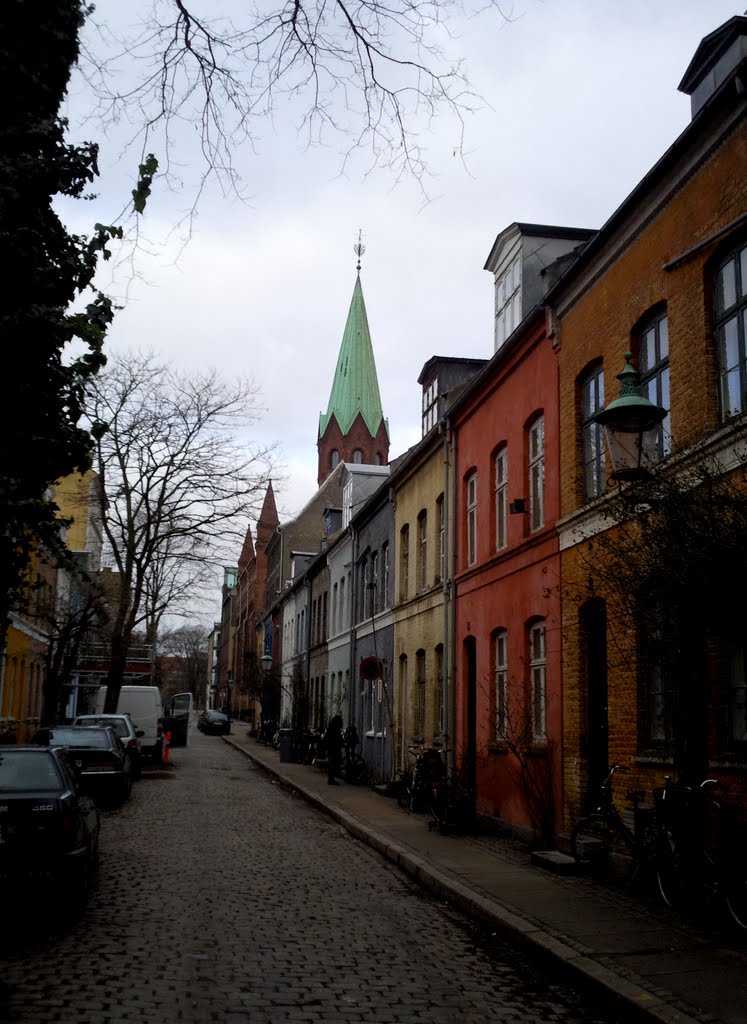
{"type": "Point", "coordinates": [333, 742]}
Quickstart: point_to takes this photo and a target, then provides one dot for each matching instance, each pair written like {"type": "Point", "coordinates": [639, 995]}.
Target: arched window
{"type": "Point", "coordinates": [592, 402]}
{"type": "Point", "coordinates": [538, 679]}
{"type": "Point", "coordinates": [500, 659]}
{"type": "Point", "coordinates": [334, 458]}
{"type": "Point", "coordinates": [358, 456]}
{"type": "Point", "coordinates": [536, 470]}
{"type": "Point", "coordinates": [730, 309]}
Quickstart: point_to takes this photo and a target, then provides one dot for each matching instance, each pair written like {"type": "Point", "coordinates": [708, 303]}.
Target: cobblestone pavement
{"type": "Point", "coordinates": [222, 897]}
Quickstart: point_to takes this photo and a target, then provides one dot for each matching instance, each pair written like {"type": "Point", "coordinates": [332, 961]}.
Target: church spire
{"type": "Point", "coordinates": [353, 429]}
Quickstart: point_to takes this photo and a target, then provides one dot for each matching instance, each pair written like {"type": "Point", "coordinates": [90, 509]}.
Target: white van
{"type": "Point", "coordinates": [143, 705]}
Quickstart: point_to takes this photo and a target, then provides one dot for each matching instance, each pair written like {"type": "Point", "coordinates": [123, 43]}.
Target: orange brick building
{"type": "Point", "coordinates": [666, 279]}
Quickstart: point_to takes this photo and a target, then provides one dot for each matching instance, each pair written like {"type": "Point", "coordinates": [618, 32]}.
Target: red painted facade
{"type": "Point", "coordinates": [516, 763]}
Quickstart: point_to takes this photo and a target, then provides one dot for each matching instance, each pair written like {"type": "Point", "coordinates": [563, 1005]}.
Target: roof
{"type": "Point", "coordinates": [536, 231]}
{"type": "Point", "coordinates": [709, 50]}
{"type": "Point", "coordinates": [355, 387]}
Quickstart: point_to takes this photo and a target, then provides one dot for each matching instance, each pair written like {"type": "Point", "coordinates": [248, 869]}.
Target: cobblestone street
{"type": "Point", "coordinates": [222, 897]}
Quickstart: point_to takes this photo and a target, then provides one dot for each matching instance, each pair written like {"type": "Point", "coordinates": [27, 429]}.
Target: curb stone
{"type": "Point", "coordinates": [647, 1006]}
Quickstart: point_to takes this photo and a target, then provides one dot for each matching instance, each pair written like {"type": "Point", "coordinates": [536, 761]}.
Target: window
{"type": "Point", "coordinates": [537, 474]}
{"type": "Point", "coordinates": [422, 550]}
{"type": "Point", "coordinates": [335, 610]}
{"type": "Point", "coordinates": [440, 729]}
{"type": "Point", "coordinates": [404, 562]}
{"type": "Point", "coordinates": [501, 498]}
{"type": "Point", "coordinates": [357, 456]}
{"type": "Point", "coordinates": [325, 609]}
{"type": "Point", "coordinates": [500, 654]}
{"type": "Point", "coordinates": [367, 591]}
{"type": "Point", "coordinates": [362, 589]}
{"type": "Point", "coordinates": [430, 406]}
{"type": "Point", "coordinates": [375, 597]}
{"type": "Point", "coordinates": [737, 694]}
{"type": "Point", "coordinates": [592, 402]}
{"type": "Point", "coordinates": [731, 331]}
{"type": "Point", "coordinates": [538, 681]}
{"type": "Point", "coordinates": [653, 366]}
{"type": "Point", "coordinates": [347, 502]}
{"type": "Point", "coordinates": [472, 519]}
{"type": "Point", "coordinates": [420, 695]}
{"type": "Point", "coordinates": [334, 458]}
{"type": "Point", "coordinates": [508, 302]}
{"type": "Point", "coordinates": [658, 695]}
{"type": "Point", "coordinates": [313, 620]}
{"type": "Point", "coordinates": [441, 572]}
{"type": "Point", "coordinates": [343, 608]}
{"type": "Point", "coordinates": [385, 577]}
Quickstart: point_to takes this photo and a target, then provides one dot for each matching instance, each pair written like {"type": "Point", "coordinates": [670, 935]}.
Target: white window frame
{"type": "Point", "coordinates": [501, 498]}
{"type": "Point", "coordinates": [422, 550]}
{"type": "Point", "coordinates": [430, 406]}
{"type": "Point", "coordinates": [508, 302]}
{"type": "Point", "coordinates": [538, 679]}
{"type": "Point", "coordinates": [471, 522]}
{"type": "Point", "coordinates": [536, 452]}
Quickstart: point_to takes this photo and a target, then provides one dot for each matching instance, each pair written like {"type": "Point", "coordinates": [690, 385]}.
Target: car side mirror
{"type": "Point", "coordinates": [139, 733]}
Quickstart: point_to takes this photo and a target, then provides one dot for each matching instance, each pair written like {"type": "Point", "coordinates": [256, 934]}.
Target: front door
{"type": "Point", "coordinates": [594, 632]}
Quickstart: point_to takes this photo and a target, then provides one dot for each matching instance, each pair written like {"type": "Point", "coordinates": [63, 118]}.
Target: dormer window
{"type": "Point", "coordinates": [508, 302]}
{"type": "Point", "coordinates": [430, 406]}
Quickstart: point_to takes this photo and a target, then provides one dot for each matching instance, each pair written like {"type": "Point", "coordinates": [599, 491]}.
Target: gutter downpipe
{"type": "Point", "coordinates": [353, 605]}
{"type": "Point", "coordinates": [449, 456]}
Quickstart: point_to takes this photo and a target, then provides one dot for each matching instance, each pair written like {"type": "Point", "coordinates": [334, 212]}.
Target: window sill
{"type": "Point", "coordinates": [658, 758]}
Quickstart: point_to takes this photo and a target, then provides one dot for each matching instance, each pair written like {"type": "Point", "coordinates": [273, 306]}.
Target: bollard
{"type": "Point", "coordinates": [166, 746]}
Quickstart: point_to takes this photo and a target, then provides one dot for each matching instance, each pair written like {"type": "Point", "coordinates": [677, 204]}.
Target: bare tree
{"type": "Point", "coordinates": [670, 569]}
{"type": "Point", "coordinates": [183, 655]}
{"type": "Point", "coordinates": [373, 73]}
{"type": "Point", "coordinates": [177, 480]}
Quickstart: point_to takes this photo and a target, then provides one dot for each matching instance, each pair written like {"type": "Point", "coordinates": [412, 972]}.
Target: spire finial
{"type": "Point", "coordinates": [359, 249]}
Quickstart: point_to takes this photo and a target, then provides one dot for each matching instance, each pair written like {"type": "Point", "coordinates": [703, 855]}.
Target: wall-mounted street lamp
{"type": "Point", "coordinates": [631, 426]}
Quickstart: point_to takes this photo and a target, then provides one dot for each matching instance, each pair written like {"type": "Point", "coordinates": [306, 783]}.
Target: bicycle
{"type": "Point", "coordinates": [593, 836]}
{"type": "Point", "coordinates": [452, 805]}
{"type": "Point", "coordinates": [354, 768]}
{"type": "Point", "coordinates": [415, 786]}
{"type": "Point", "coordinates": [700, 859]}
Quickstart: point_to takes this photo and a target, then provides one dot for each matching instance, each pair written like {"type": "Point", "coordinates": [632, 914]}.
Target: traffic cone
{"type": "Point", "coordinates": [166, 746]}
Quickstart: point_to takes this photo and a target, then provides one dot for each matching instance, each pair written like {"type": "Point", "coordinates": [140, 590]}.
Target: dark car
{"type": "Point", "coordinates": [104, 765]}
{"type": "Point", "coordinates": [214, 723]}
{"type": "Point", "coordinates": [49, 828]}
{"type": "Point", "coordinates": [124, 728]}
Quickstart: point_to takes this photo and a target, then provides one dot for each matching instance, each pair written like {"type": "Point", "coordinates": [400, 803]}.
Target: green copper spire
{"type": "Point", "coordinates": [355, 388]}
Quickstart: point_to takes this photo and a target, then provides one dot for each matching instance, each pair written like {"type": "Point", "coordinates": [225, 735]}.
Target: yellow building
{"type": "Point", "coordinates": [23, 668]}
{"type": "Point", "coordinates": [418, 490]}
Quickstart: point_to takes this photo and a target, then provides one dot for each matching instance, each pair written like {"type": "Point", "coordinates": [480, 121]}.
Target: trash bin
{"type": "Point", "coordinates": [285, 744]}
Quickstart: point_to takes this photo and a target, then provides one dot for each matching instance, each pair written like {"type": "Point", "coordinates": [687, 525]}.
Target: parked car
{"type": "Point", "coordinates": [105, 766]}
{"type": "Point", "coordinates": [125, 730]}
{"type": "Point", "coordinates": [214, 723]}
{"type": "Point", "coordinates": [49, 827]}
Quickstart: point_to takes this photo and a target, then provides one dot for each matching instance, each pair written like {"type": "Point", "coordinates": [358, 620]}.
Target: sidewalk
{"type": "Point", "coordinates": [635, 949]}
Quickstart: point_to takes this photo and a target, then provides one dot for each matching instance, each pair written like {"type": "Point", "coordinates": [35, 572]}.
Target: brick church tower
{"type": "Point", "coordinates": [353, 429]}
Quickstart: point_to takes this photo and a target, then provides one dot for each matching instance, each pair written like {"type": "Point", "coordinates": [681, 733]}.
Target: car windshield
{"type": "Point", "coordinates": [119, 725]}
{"type": "Point", "coordinates": [80, 737]}
{"type": "Point", "coordinates": [28, 769]}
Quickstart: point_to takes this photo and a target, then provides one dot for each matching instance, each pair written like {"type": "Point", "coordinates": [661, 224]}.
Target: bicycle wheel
{"type": "Point", "coordinates": [356, 771]}
{"type": "Point", "coordinates": [671, 877]}
{"type": "Point", "coordinates": [591, 841]}
{"type": "Point", "coordinates": [736, 899]}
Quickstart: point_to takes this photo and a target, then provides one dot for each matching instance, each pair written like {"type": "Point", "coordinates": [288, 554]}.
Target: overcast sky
{"type": "Point", "coordinates": [580, 99]}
